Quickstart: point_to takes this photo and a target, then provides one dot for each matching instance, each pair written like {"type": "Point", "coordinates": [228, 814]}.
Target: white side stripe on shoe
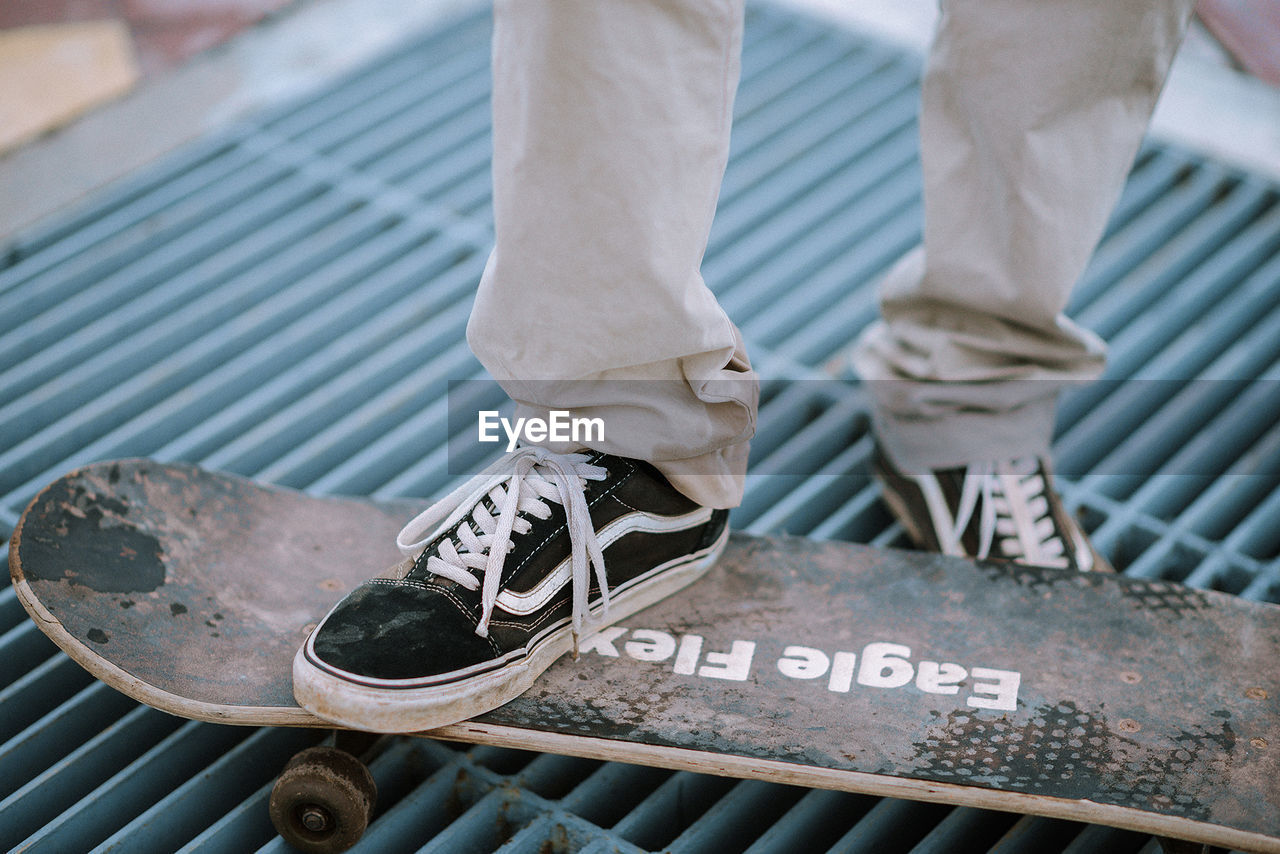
{"type": "Point", "coordinates": [539, 596]}
{"type": "Point", "coordinates": [975, 495]}
{"type": "Point", "coordinates": [1011, 498]}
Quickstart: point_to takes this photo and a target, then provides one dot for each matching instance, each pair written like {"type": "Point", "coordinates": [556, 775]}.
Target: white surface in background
{"type": "Point", "coordinates": [1206, 106]}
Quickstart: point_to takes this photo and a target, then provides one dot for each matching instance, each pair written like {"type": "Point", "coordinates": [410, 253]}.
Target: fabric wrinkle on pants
{"type": "Point", "coordinates": [611, 135]}
{"type": "Point", "coordinates": [1031, 115]}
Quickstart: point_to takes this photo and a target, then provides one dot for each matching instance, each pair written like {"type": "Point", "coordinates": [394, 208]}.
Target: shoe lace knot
{"type": "Point", "coordinates": [516, 488]}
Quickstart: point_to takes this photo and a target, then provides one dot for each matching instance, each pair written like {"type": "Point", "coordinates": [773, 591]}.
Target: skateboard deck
{"type": "Point", "coordinates": [1134, 703]}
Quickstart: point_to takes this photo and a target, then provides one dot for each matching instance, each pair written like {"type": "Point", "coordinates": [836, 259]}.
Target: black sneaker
{"type": "Point", "coordinates": [1005, 510]}
{"type": "Point", "coordinates": [501, 578]}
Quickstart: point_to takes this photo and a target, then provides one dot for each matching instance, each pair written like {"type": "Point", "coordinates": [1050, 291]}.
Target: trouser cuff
{"type": "Point", "coordinates": [919, 444]}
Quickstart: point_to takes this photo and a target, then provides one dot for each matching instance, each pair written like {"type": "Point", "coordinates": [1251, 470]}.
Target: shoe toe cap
{"type": "Point", "coordinates": [399, 631]}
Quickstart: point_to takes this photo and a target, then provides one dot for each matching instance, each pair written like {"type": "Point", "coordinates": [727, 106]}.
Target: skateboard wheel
{"type": "Point", "coordinates": [323, 800]}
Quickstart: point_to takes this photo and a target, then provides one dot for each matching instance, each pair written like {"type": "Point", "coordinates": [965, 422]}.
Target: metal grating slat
{"type": "Point", "coordinates": [53, 794]}
{"type": "Point", "coordinates": [182, 813]}
{"type": "Point", "coordinates": [144, 781]}
{"type": "Point", "coordinates": [107, 219]}
{"type": "Point", "coordinates": [48, 740]}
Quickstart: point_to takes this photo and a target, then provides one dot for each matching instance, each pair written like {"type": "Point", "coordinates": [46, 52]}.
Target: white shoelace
{"type": "Point", "coordinates": [519, 484]}
{"type": "Point", "coordinates": [1014, 505]}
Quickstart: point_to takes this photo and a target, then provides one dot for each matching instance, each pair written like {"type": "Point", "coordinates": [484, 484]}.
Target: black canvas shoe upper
{"type": "Point", "coordinates": [1006, 510]}
{"type": "Point", "coordinates": [432, 620]}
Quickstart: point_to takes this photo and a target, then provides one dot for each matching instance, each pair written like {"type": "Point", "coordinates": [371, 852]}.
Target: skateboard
{"type": "Point", "coordinates": [1135, 703]}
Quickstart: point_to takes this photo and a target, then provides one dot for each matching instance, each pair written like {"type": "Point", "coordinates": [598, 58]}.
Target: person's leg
{"type": "Point", "coordinates": [1032, 112]}
{"type": "Point", "coordinates": [611, 126]}
{"type": "Point", "coordinates": [611, 134]}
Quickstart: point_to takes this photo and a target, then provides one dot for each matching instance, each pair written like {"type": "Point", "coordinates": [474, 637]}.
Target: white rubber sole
{"type": "Point", "coordinates": [403, 709]}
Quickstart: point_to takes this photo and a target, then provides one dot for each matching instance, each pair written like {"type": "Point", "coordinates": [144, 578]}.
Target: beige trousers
{"type": "Point", "coordinates": [611, 133]}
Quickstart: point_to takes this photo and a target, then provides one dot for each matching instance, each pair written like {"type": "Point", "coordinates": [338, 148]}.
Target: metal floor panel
{"type": "Point", "coordinates": [287, 300]}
